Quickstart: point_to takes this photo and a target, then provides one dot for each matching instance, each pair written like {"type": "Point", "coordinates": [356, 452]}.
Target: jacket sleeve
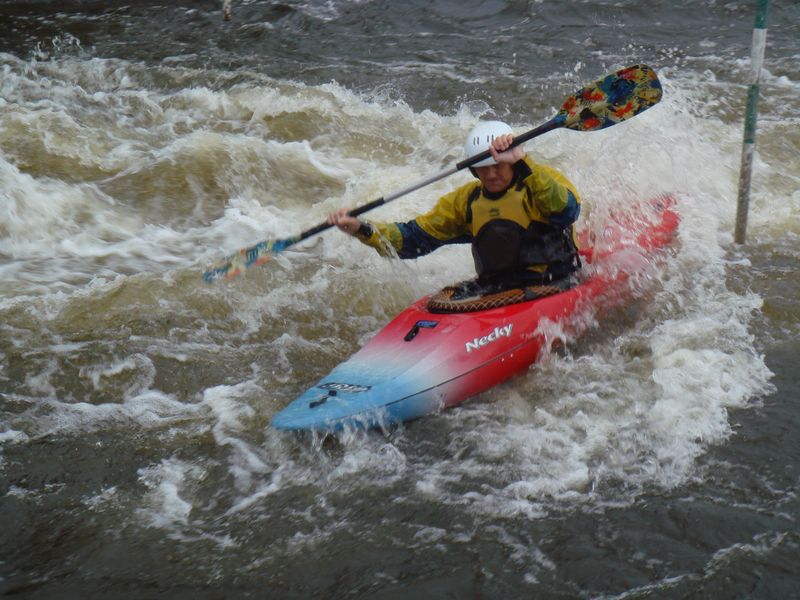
{"type": "Point", "coordinates": [444, 224]}
{"type": "Point", "coordinates": [554, 197]}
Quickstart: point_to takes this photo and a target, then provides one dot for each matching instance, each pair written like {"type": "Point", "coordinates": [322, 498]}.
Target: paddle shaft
{"type": "Point", "coordinates": [553, 123]}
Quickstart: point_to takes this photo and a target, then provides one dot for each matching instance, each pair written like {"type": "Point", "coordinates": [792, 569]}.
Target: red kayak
{"type": "Point", "coordinates": [425, 361]}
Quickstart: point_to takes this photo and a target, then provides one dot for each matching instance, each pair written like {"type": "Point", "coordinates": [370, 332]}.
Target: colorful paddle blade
{"type": "Point", "coordinates": [614, 98]}
{"type": "Point", "coordinates": [258, 254]}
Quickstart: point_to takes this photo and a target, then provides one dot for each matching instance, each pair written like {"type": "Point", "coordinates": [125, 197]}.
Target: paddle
{"type": "Point", "coordinates": [606, 102]}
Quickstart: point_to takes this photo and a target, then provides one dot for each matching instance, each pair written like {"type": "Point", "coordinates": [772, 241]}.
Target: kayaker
{"type": "Point", "coordinates": [519, 217]}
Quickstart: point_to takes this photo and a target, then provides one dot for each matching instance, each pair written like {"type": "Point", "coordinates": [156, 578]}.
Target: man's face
{"type": "Point", "coordinates": [495, 178]}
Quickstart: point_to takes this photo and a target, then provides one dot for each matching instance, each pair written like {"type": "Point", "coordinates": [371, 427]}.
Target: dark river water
{"type": "Point", "coordinates": [657, 456]}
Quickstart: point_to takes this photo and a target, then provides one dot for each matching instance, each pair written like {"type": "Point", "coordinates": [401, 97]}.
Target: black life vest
{"type": "Point", "coordinates": [507, 242]}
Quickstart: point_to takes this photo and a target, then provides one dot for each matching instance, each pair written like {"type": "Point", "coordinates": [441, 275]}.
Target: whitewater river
{"type": "Point", "coordinates": [656, 456]}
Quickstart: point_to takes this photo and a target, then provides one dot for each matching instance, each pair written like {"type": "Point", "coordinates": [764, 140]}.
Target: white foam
{"type": "Point", "coordinates": [12, 436]}
{"type": "Point", "coordinates": [230, 409]}
{"type": "Point", "coordinates": [148, 409]}
{"type": "Point", "coordinates": [166, 481]}
{"type": "Point", "coordinates": [133, 374]}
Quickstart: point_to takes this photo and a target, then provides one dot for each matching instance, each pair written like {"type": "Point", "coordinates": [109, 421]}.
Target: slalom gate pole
{"type": "Point", "coordinates": [751, 116]}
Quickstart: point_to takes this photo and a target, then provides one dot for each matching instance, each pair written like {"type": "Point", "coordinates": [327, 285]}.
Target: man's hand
{"type": "Point", "coordinates": [343, 221]}
{"type": "Point", "coordinates": [500, 152]}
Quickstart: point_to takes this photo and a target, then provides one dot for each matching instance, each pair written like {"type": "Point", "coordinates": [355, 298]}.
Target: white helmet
{"type": "Point", "coordinates": [481, 136]}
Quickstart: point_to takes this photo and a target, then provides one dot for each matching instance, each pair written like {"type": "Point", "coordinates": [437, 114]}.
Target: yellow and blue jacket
{"type": "Point", "coordinates": [528, 228]}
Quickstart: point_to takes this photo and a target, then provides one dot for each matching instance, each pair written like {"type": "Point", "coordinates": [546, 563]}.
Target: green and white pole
{"type": "Point", "coordinates": [751, 116]}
